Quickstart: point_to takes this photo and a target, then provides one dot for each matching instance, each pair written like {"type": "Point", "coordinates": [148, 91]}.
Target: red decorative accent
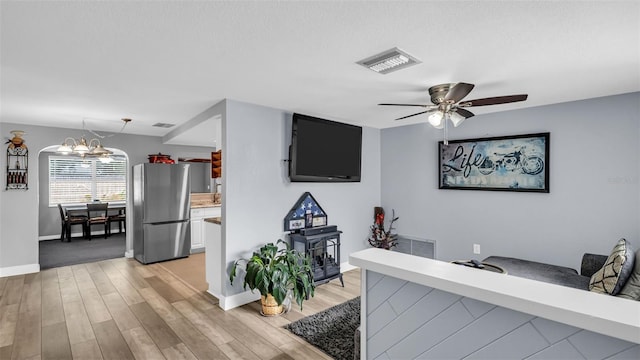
{"type": "Point", "coordinates": [161, 158]}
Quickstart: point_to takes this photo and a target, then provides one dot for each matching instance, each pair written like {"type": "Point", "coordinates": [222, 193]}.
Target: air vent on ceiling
{"type": "Point", "coordinates": [163, 125]}
{"type": "Point", "coordinates": [389, 61]}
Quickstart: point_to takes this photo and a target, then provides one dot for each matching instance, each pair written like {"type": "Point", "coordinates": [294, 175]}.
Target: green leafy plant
{"type": "Point", "coordinates": [275, 270]}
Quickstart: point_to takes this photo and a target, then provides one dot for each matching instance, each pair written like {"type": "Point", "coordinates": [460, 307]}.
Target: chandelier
{"type": "Point", "coordinates": [93, 147]}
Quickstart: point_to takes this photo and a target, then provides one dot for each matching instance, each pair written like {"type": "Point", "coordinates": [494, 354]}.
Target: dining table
{"type": "Point", "coordinates": [81, 209]}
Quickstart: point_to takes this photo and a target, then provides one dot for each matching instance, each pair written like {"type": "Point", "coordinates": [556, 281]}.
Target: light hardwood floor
{"type": "Point", "coordinates": [121, 309]}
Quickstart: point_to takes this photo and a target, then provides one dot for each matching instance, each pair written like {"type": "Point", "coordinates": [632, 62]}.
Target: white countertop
{"type": "Point", "coordinates": [604, 314]}
{"type": "Point", "coordinates": [206, 205]}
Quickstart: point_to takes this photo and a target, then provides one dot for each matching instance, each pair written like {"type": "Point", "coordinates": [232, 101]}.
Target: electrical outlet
{"type": "Point", "coordinates": [476, 248]}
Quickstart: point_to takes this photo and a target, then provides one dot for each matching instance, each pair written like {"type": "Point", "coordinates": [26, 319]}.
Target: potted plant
{"type": "Point", "coordinates": [274, 270]}
{"type": "Point", "coordinates": [381, 238]}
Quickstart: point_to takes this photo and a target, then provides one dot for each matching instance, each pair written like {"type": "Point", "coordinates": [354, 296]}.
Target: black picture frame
{"type": "Point", "coordinates": [504, 163]}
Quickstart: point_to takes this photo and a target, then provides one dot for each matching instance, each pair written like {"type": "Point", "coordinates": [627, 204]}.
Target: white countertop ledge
{"type": "Point", "coordinates": [604, 314]}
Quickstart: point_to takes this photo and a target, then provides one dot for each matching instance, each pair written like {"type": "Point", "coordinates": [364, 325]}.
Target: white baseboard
{"type": "Point", "coordinates": [233, 301]}
{"type": "Point", "coordinates": [128, 254]}
{"type": "Point", "coordinates": [345, 266]}
{"type": "Point", "coordinates": [73, 235]}
{"type": "Point", "coordinates": [19, 270]}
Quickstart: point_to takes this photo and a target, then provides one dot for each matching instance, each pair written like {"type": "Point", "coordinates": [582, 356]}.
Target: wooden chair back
{"type": "Point", "coordinates": [97, 213]}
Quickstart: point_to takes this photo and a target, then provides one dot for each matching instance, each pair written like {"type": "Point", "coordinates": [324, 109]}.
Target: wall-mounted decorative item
{"type": "Point", "coordinates": [508, 163]}
{"type": "Point", "coordinates": [17, 162]}
{"type": "Point", "coordinates": [305, 213]}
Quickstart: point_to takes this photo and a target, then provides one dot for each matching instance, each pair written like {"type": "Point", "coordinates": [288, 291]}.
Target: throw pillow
{"type": "Point", "coordinates": [616, 270]}
{"type": "Point", "coordinates": [631, 289]}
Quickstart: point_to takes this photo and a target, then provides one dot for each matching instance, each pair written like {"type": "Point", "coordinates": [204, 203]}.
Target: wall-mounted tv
{"type": "Point", "coordinates": [324, 151]}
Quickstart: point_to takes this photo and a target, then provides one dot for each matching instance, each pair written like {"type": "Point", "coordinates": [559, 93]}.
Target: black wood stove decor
{"type": "Point", "coordinates": [309, 233]}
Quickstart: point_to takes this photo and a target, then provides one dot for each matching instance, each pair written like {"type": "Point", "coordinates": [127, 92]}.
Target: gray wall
{"type": "Point", "coordinates": [594, 198]}
{"type": "Point", "coordinates": [19, 229]}
{"type": "Point", "coordinates": [407, 321]}
{"type": "Point", "coordinates": [257, 193]}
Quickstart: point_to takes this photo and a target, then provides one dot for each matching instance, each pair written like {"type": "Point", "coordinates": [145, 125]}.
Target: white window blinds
{"type": "Point", "coordinates": [76, 180]}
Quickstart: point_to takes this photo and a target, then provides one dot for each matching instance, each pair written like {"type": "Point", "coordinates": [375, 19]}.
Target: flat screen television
{"type": "Point", "coordinates": [324, 151]}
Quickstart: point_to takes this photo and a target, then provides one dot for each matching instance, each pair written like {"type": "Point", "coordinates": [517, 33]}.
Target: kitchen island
{"type": "Point", "coordinates": [199, 212]}
{"type": "Point", "coordinates": [417, 307]}
{"type": "Point", "coordinates": [213, 255]}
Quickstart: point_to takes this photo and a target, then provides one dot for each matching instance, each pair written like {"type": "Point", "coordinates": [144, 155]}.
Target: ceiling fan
{"type": "Point", "coordinates": [447, 104]}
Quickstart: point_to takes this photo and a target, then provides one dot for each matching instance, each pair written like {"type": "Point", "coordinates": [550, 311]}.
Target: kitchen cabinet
{"type": "Point", "coordinates": [200, 173]}
{"type": "Point", "coordinates": [197, 226]}
{"type": "Point", "coordinates": [216, 164]}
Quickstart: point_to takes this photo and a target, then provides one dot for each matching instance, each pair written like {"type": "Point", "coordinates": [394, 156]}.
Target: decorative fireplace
{"type": "Point", "coordinates": [309, 233]}
{"type": "Point", "coordinates": [322, 244]}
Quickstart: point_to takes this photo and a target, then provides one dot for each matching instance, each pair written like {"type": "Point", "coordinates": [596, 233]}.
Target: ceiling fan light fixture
{"type": "Point", "coordinates": [456, 118]}
{"type": "Point", "coordinates": [389, 61]}
{"type": "Point", "coordinates": [436, 119]}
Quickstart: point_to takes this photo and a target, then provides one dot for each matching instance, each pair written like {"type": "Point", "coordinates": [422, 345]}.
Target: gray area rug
{"type": "Point", "coordinates": [55, 253]}
{"type": "Point", "coordinates": [331, 330]}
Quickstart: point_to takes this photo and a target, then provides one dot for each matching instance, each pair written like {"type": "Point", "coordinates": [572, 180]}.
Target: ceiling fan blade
{"type": "Point", "coordinates": [406, 105]}
{"type": "Point", "coordinates": [408, 116]}
{"type": "Point", "coordinates": [466, 113]}
{"type": "Point", "coordinates": [494, 100]}
{"type": "Point", "coordinates": [458, 92]}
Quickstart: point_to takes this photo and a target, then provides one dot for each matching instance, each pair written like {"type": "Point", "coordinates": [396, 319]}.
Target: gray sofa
{"type": "Point", "coordinates": [551, 273]}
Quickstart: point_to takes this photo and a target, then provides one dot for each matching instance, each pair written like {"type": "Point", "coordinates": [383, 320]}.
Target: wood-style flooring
{"type": "Point", "coordinates": [190, 270]}
{"type": "Point", "coordinates": [121, 309]}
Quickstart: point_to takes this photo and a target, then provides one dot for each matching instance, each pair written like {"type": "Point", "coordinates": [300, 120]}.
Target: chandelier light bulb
{"type": "Point", "coordinates": [67, 146]}
{"type": "Point", "coordinates": [82, 147]}
{"type": "Point", "coordinates": [105, 158]}
{"type": "Point", "coordinates": [64, 149]}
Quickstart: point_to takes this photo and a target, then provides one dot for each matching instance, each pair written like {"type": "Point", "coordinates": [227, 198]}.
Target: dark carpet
{"type": "Point", "coordinates": [55, 253]}
{"type": "Point", "coordinates": [331, 330]}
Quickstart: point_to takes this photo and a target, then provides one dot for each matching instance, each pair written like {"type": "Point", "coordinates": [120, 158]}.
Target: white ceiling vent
{"type": "Point", "coordinates": [389, 61]}
{"type": "Point", "coordinates": [163, 125]}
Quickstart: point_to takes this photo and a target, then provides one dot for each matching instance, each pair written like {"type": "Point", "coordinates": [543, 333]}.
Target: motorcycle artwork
{"type": "Point", "coordinates": [516, 163]}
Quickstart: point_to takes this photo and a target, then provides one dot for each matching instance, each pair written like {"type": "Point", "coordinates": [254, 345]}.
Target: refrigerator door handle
{"type": "Point", "coordinates": [167, 222]}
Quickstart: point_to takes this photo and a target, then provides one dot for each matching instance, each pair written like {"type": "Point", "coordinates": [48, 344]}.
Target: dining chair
{"type": "Point", "coordinates": [119, 216]}
{"type": "Point", "coordinates": [97, 215]}
{"type": "Point", "coordinates": [67, 221]}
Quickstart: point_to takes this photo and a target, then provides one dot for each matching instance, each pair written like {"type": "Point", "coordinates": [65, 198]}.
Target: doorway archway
{"type": "Point", "coordinates": [49, 221]}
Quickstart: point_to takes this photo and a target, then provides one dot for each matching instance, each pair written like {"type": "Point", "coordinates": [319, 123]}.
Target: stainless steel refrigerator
{"type": "Point", "coordinates": [161, 212]}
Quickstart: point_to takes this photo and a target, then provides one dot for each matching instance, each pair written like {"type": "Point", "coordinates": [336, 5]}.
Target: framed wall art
{"type": "Point", "coordinates": [507, 163]}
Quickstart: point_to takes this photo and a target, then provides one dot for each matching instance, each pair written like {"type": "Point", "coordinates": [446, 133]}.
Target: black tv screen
{"type": "Point", "coordinates": [324, 151]}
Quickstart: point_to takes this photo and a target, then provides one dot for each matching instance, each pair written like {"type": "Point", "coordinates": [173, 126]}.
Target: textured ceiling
{"type": "Point", "coordinates": [167, 61]}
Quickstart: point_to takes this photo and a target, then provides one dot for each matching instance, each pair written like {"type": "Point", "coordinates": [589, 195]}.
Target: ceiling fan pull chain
{"type": "Point", "coordinates": [446, 128]}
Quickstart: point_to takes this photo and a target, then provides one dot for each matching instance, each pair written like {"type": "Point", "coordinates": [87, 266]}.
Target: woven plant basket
{"type": "Point", "coordinates": [270, 306]}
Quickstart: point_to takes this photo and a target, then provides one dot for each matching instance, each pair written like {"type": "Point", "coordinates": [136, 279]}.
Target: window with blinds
{"type": "Point", "coordinates": [76, 180]}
